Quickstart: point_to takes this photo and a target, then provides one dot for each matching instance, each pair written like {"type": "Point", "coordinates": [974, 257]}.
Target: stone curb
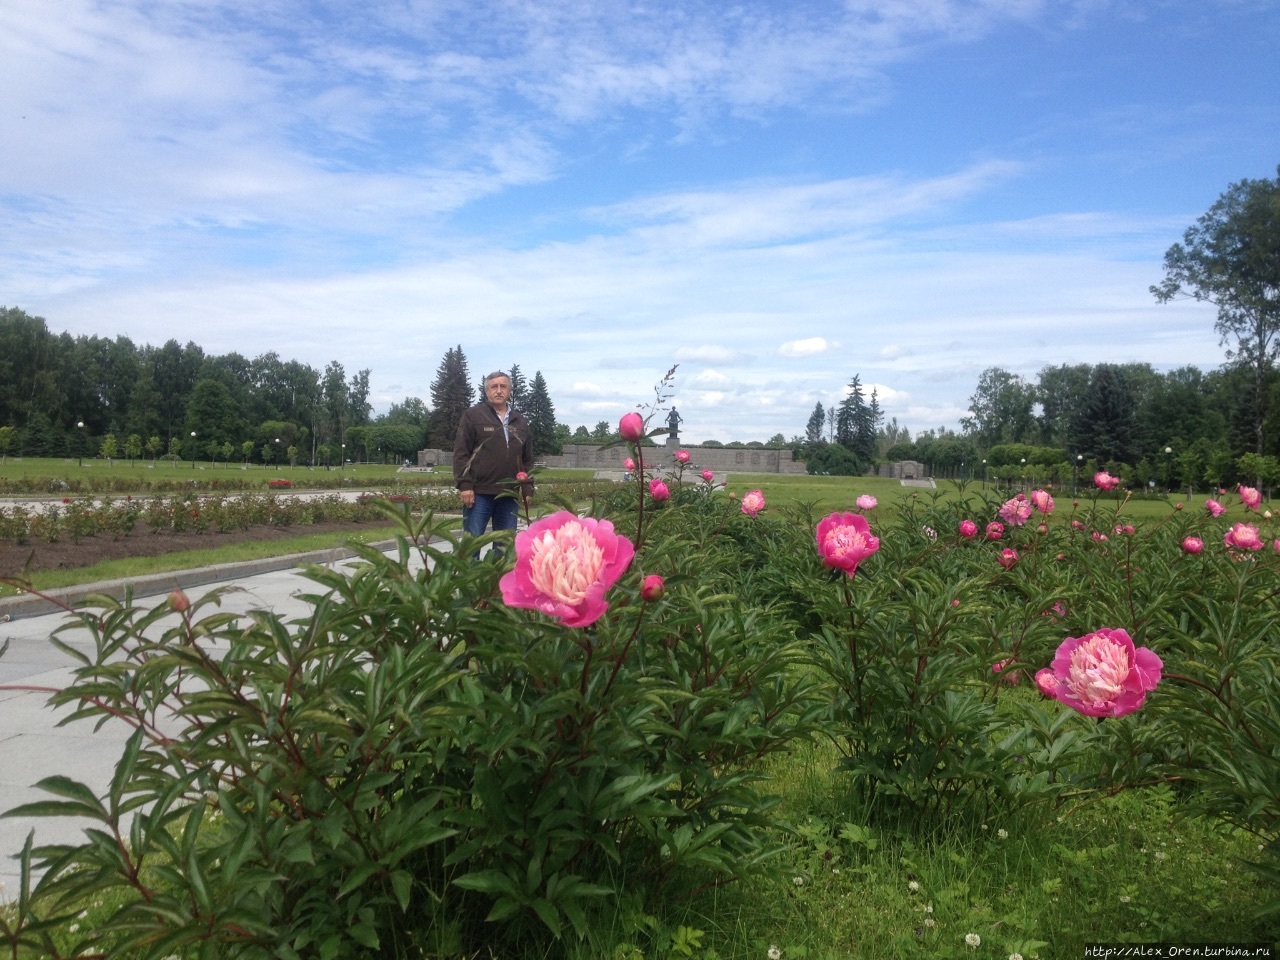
{"type": "Point", "coordinates": [52, 601]}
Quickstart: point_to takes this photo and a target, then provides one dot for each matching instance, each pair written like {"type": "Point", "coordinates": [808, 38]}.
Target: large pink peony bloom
{"type": "Point", "coordinates": [682, 456]}
{"type": "Point", "coordinates": [631, 426]}
{"type": "Point", "coordinates": [1016, 512]}
{"type": "Point", "coordinates": [1042, 501]}
{"type": "Point", "coordinates": [1250, 497]}
{"type": "Point", "coordinates": [1215, 508]}
{"type": "Point", "coordinates": [1105, 481]}
{"type": "Point", "coordinates": [564, 565]}
{"type": "Point", "coordinates": [995, 530]}
{"type": "Point", "coordinates": [845, 540]}
{"type": "Point", "coordinates": [659, 490]}
{"type": "Point", "coordinates": [1101, 674]}
{"type": "Point", "coordinates": [752, 503]}
{"type": "Point", "coordinates": [1192, 545]}
{"type": "Point", "coordinates": [968, 529]}
{"type": "Point", "coordinates": [628, 464]}
{"type": "Point", "coordinates": [1243, 536]}
{"type": "Point", "coordinates": [866, 502]}
{"type": "Point", "coordinates": [708, 476]}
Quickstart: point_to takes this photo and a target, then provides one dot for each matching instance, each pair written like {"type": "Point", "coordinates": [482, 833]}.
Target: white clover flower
{"type": "Point", "coordinates": [1160, 854]}
{"type": "Point", "coordinates": [775, 952]}
{"type": "Point", "coordinates": [1124, 898]}
{"type": "Point", "coordinates": [984, 826]}
{"type": "Point", "coordinates": [1002, 833]}
{"type": "Point", "coordinates": [972, 940]}
{"type": "Point", "coordinates": [1015, 956]}
{"type": "Point", "coordinates": [73, 928]}
{"type": "Point", "coordinates": [798, 881]}
{"type": "Point", "coordinates": [914, 886]}
{"type": "Point", "coordinates": [928, 908]}
{"type": "Point", "coordinates": [930, 922]}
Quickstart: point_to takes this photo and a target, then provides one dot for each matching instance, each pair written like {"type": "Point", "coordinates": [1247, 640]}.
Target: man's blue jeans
{"type": "Point", "coordinates": [503, 511]}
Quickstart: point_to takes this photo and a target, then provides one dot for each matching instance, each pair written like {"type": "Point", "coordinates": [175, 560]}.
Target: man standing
{"type": "Point", "coordinates": [493, 445]}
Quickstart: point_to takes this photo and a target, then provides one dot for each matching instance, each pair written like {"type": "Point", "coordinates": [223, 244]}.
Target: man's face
{"type": "Point", "coordinates": [498, 391]}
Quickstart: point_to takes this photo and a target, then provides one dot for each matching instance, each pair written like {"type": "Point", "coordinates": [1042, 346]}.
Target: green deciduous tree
{"type": "Point", "coordinates": [1230, 257]}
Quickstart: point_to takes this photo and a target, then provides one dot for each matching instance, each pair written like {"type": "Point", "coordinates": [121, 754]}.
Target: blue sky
{"type": "Point", "coordinates": [775, 196]}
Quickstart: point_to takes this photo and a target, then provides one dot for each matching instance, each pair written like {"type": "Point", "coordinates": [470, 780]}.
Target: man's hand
{"type": "Point", "coordinates": [468, 498]}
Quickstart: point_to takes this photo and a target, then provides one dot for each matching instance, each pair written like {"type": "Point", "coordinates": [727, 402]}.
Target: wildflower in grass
{"type": "Point", "coordinates": [1215, 508]}
{"type": "Point", "coordinates": [968, 529]}
{"type": "Point", "coordinates": [708, 476]}
{"type": "Point", "coordinates": [1002, 833]}
{"type": "Point", "coordinates": [798, 881]}
{"type": "Point", "coordinates": [682, 456]}
{"type": "Point", "coordinates": [1015, 512]}
{"type": "Point", "coordinates": [653, 588]}
{"type": "Point", "coordinates": [845, 540]}
{"type": "Point", "coordinates": [1008, 557]}
{"type": "Point", "coordinates": [564, 565]}
{"type": "Point", "coordinates": [1015, 956]}
{"type": "Point", "coordinates": [631, 426]}
{"type": "Point", "coordinates": [1101, 674]}
{"type": "Point", "coordinates": [1192, 545]}
{"type": "Point", "coordinates": [774, 952]}
{"type": "Point", "coordinates": [929, 922]}
{"type": "Point", "coordinates": [866, 502]}
{"type": "Point", "coordinates": [972, 940]}
{"type": "Point", "coordinates": [1105, 481]}
{"type": "Point", "coordinates": [1243, 536]}
{"type": "Point", "coordinates": [628, 464]}
{"type": "Point", "coordinates": [913, 886]}
{"type": "Point", "coordinates": [995, 530]}
{"type": "Point", "coordinates": [1250, 497]}
{"type": "Point", "coordinates": [658, 490]}
{"type": "Point", "coordinates": [752, 503]}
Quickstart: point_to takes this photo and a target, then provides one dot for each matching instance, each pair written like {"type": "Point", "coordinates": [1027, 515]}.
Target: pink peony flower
{"type": "Point", "coordinates": [968, 529]}
{"type": "Point", "coordinates": [1012, 677]}
{"type": "Point", "coordinates": [1008, 557]}
{"type": "Point", "coordinates": [564, 565]}
{"type": "Point", "coordinates": [1042, 501]}
{"type": "Point", "coordinates": [1192, 545]}
{"type": "Point", "coordinates": [1105, 481]}
{"type": "Point", "coordinates": [1250, 497]}
{"type": "Point", "coordinates": [659, 490]}
{"type": "Point", "coordinates": [682, 456]}
{"type": "Point", "coordinates": [1243, 536]}
{"type": "Point", "coordinates": [1015, 512]}
{"type": "Point", "coordinates": [752, 503]}
{"type": "Point", "coordinates": [708, 476]}
{"type": "Point", "coordinates": [995, 530]}
{"type": "Point", "coordinates": [522, 476]}
{"type": "Point", "coordinates": [653, 588]}
{"type": "Point", "coordinates": [178, 601]}
{"type": "Point", "coordinates": [866, 502]}
{"type": "Point", "coordinates": [631, 426]}
{"type": "Point", "coordinates": [1101, 674]}
{"type": "Point", "coordinates": [1099, 537]}
{"type": "Point", "coordinates": [1277, 546]}
{"type": "Point", "coordinates": [845, 540]}
{"type": "Point", "coordinates": [1215, 508]}
{"type": "Point", "coordinates": [628, 464]}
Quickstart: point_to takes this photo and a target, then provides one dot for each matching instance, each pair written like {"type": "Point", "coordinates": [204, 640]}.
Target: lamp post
{"type": "Point", "coordinates": [80, 442]}
{"type": "Point", "coordinates": [342, 455]}
{"type": "Point", "coordinates": [984, 474]}
{"type": "Point", "coordinates": [1168, 468]}
{"type": "Point", "coordinates": [193, 449]}
{"type": "Point", "coordinates": [277, 453]}
{"type": "Point", "coordinates": [1075, 473]}
{"type": "Point", "coordinates": [1023, 476]}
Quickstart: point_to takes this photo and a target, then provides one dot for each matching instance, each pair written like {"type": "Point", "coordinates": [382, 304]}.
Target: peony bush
{"type": "Point", "coordinates": [452, 757]}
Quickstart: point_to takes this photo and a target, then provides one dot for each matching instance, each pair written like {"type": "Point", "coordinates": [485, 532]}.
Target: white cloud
{"type": "Point", "coordinates": [711, 353]}
{"type": "Point", "coordinates": [804, 348]}
{"type": "Point", "coordinates": [711, 378]}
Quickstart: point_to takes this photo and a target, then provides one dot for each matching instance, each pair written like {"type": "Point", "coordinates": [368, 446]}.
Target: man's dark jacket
{"type": "Point", "coordinates": [486, 461]}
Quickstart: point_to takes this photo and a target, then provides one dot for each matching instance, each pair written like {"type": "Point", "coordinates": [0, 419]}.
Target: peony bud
{"type": "Point", "coordinates": [631, 426]}
{"type": "Point", "coordinates": [1192, 545]}
{"type": "Point", "coordinates": [653, 588]}
{"type": "Point", "coordinates": [659, 490]}
{"type": "Point", "coordinates": [708, 476]}
{"type": "Point", "coordinates": [178, 602]}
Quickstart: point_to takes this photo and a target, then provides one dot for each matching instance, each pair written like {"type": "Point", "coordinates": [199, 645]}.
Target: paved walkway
{"type": "Point", "coordinates": [34, 746]}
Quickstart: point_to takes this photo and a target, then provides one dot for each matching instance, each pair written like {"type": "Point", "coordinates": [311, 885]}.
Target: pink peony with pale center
{"type": "Point", "coordinates": [1008, 558]}
{"type": "Point", "coordinates": [1101, 674]}
{"type": "Point", "coordinates": [968, 529]}
{"type": "Point", "coordinates": [1215, 508]}
{"type": "Point", "coordinates": [866, 502]}
{"type": "Point", "coordinates": [564, 565]}
{"type": "Point", "coordinates": [1250, 497]}
{"type": "Point", "coordinates": [1042, 501]}
{"type": "Point", "coordinates": [995, 530]}
{"type": "Point", "coordinates": [1105, 481]}
{"type": "Point", "coordinates": [659, 490]}
{"type": "Point", "coordinates": [1243, 536]}
{"type": "Point", "coordinates": [752, 502]}
{"type": "Point", "coordinates": [845, 540]}
{"type": "Point", "coordinates": [682, 456]}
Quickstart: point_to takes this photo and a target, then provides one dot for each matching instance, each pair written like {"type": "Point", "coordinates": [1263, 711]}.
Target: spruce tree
{"type": "Point", "coordinates": [813, 429]}
{"type": "Point", "coordinates": [519, 388]}
{"type": "Point", "coordinates": [541, 415]}
{"type": "Point", "coordinates": [450, 397]}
